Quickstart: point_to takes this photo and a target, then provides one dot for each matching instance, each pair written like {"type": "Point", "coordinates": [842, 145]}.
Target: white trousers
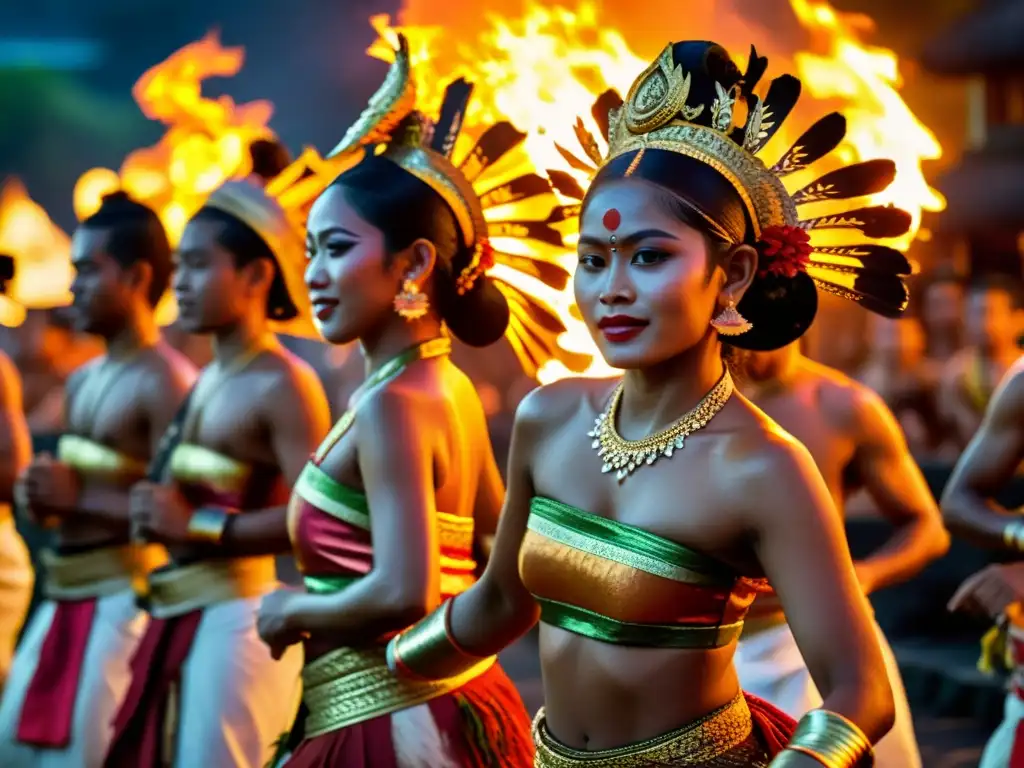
{"type": "Point", "coordinates": [769, 665]}
{"type": "Point", "coordinates": [16, 582]}
{"type": "Point", "coordinates": [236, 701]}
{"type": "Point", "coordinates": [116, 631]}
{"type": "Point", "coordinates": [999, 748]}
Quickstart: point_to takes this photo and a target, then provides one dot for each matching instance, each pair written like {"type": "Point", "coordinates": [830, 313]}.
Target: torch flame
{"type": "Point", "coordinates": [206, 142]}
{"type": "Point", "coordinates": [543, 69]}
{"type": "Point", "coordinates": [41, 252]}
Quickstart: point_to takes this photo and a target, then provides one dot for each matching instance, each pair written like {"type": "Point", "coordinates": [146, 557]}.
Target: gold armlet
{"type": "Point", "coordinates": [207, 525]}
{"type": "Point", "coordinates": [829, 738]}
{"type": "Point", "coordinates": [427, 650]}
{"type": "Point", "coordinates": [1013, 535]}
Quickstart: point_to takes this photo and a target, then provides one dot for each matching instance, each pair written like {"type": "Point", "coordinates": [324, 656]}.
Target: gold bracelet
{"type": "Point", "coordinates": [829, 738]}
{"type": "Point", "coordinates": [427, 650]}
{"type": "Point", "coordinates": [207, 525]}
{"type": "Point", "coordinates": [1013, 535]}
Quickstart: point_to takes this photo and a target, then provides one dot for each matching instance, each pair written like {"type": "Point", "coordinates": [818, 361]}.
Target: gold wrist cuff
{"type": "Point", "coordinates": [427, 650]}
{"type": "Point", "coordinates": [207, 525]}
{"type": "Point", "coordinates": [829, 738]}
{"type": "Point", "coordinates": [1013, 535]}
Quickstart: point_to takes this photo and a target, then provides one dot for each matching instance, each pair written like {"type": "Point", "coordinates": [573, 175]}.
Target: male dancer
{"type": "Point", "coordinates": [857, 444]}
{"type": "Point", "coordinates": [968, 504]}
{"type": "Point", "coordinates": [205, 690]}
{"type": "Point", "coordinates": [16, 576]}
{"type": "Point", "coordinates": [71, 670]}
{"type": "Point", "coordinates": [970, 377]}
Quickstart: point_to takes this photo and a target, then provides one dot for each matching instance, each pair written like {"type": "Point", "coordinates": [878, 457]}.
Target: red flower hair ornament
{"type": "Point", "coordinates": [784, 251]}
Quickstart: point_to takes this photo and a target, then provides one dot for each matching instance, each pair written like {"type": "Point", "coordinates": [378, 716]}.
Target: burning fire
{"type": "Point", "coordinates": [544, 67]}
{"type": "Point", "coordinates": [41, 251]}
{"type": "Point", "coordinates": [206, 142]}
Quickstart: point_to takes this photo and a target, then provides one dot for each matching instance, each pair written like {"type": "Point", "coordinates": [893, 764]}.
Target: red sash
{"type": "Point", "coordinates": [49, 707]}
{"type": "Point", "coordinates": [139, 728]}
{"type": "Point", "coordinates": [773, 727]}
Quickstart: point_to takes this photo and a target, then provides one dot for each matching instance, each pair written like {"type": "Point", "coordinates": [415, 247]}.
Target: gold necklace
{"type": "Point", "coordinates": [626, 456]}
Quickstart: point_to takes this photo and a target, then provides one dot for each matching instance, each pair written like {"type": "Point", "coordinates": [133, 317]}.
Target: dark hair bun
{"type": "Point", "coordinates": [477, 318]}
{"type": "Point", "coordinates": [117, 196]}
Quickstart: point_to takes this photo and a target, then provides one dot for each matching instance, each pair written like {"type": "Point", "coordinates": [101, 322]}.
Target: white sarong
{"type": "Point", "coordinates": [769, 665]}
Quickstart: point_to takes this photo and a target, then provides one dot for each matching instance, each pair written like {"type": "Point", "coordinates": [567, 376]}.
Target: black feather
{"type": "Point", "coordinates": [782, 96]}
{"type": "Point", "coordinates": [566, 184]}
{"type": "Point", "coordinates": [855, 180]}
{"type": "Point", "coordinates": [869, 256]}
{"type": "Point", "coordinates": [525, 230]}
{"type": "Point", "coordinates": [496, 142]}
{"type": "Point", "coordinates": [756, 66]}
{"type": "Point", "coordinates": [520, 188]}
{"type": "Point", "coordinates": [551, 274]}
{"type": "Point", "coordinates": [882, 293]}
{"type": "Point", "coordinates": [816, 142]}
{"type": "Point", "coordinates": [453, 110]}
{"type": "Point", "coordinates": [575, 162]}
{"type": "Point", "coordinates": [605, 103]}
{"type": "Point", "coordinates": [875, 221]}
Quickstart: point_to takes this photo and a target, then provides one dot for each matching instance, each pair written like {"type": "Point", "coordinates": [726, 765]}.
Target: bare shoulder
{"type": "Point", "coordinates": [854, 406]}
{"type": "Point", "coordinates": [166, 370]}
{"type": "Point", "coordinates": [289, 375]}
{"type": "Point", "coordinates": [761, 468]}
{"type": "Point", "coordinates": [560, 401]}
{"type": "Point", "coordinates": [1008, 400]}
{"type": "Point", "coordinates": [81, 373]}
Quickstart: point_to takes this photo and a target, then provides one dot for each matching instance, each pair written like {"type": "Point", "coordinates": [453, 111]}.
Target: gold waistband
{"type": "Point", "coordinates": [180, 589]}
{"type": "Point", "coordinates": [700, 743]}
{"type": "Point", "coordinates": [753, 625]}
{"type": "Point", "coordinates": [100, 572]}
{"type": "Point", "coordinates": [349, 686]}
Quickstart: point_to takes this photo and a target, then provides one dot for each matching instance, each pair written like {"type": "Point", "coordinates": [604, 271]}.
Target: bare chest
{"type": "Point", "coordinates": [109, 410]}
{"type": "Point", "coordinates": [231, 419]}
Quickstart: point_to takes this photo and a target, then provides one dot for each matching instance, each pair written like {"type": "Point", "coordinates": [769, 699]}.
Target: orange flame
{"type": "Point", "coordinates": [41, 252]}
{"type": "Point", "coordinates": [543, 68]}
{"type": "Point", "coordinates": [206, 142]}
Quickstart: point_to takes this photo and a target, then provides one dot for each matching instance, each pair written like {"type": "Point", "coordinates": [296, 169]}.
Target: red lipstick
{"type": "Point", "coordinates": [621, 328]}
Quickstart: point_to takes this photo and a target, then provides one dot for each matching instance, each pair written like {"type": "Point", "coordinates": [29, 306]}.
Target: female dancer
{"type": "Point", "coordinates": [382, 516]}
{"type": "Point", "coordinates": [642, 515]}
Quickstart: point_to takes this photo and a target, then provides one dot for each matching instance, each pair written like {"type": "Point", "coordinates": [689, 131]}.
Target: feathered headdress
{"type": "Point", "coordinates": [678, 106]}
{"type": "Point", "coordinates": [492, 212]}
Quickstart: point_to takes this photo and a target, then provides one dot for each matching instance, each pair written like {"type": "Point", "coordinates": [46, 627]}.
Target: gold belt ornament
{"type": "Point", "coordinates": [176, 590]}
{"type": "Point", "coordinates": [712, 741]}
{"type": "Point", "coordinates": [100, 572]}
{"type": "Point", "coordinates": [349, 686]}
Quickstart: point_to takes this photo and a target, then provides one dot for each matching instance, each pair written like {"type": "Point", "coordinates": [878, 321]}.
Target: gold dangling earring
{"type": "Point", "coordinates": [411, 303]}
{"type": "Point", "coordinates": [729, 322]}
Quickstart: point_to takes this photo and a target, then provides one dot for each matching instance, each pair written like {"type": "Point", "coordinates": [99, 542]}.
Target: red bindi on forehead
{"type": "Point", "coordinates": [611, 219]}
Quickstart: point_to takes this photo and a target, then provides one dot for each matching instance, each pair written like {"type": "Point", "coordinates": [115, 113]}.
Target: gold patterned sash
{"type": "Point", "coordinates": [722, 738]}
{"type": "Point", "coordinates": [349, 686]}
{"type": "Point", "coordinates": [100, 572]}
{"type": "Point", "coordinates": [180, 589]}
{"type": "Point", "coordinates": [97, 460]}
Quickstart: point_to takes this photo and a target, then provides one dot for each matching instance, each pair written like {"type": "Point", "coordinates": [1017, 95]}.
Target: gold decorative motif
{"type": "Point", "coordinates": [721, 739]}
{"type": "Point", "coordinates": [765, 198]}
{"type": "Point", "coordinates": [349, 686]}
{"type": "Point", "coordinates": [100, 572]}
{"type": "Point", "coordinates": [721, 109]}
{"type": "Point", "coordinates": [757, 127]}
{"type": "Point", "coordinates": [183, 588]}
{"type": "Point", "coordinates": [391, 103]}
{"type": "Point", "coordinates": [588, 142]}
{"type": "Point", "coordinates": [658, 95]}
{"type": "Point", "coordinates": [624, 457]}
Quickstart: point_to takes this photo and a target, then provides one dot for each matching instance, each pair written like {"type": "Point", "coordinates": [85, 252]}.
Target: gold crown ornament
{"type": "Point", "coordinates": [676, 105]}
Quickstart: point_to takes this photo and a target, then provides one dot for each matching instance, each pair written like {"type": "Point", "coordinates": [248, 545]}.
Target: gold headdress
{"type": "Point", "coordinates": [35, 265]}
{"type": "Point", "coordinates": [492, 211]}
{"type": "Point", "coordinates": [250, 204]}
{"type": "Point", "coordinates": [678, 106]}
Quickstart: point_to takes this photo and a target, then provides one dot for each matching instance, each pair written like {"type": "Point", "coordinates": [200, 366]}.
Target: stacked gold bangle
{"type": "Point", "coordinates": [829, 738]}
{"type": "Point", "coordinates": [427, 650]}
{"type": "Point", "coordinates": [1013, 535]}
{"type": "Point", "coordinates": [207, 525]}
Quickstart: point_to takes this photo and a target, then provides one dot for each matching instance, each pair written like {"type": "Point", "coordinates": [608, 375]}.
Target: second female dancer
{"type": "Point", "coordinates": [382, 517]}
{"type": "Point", "coordinates": [643, 515]}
